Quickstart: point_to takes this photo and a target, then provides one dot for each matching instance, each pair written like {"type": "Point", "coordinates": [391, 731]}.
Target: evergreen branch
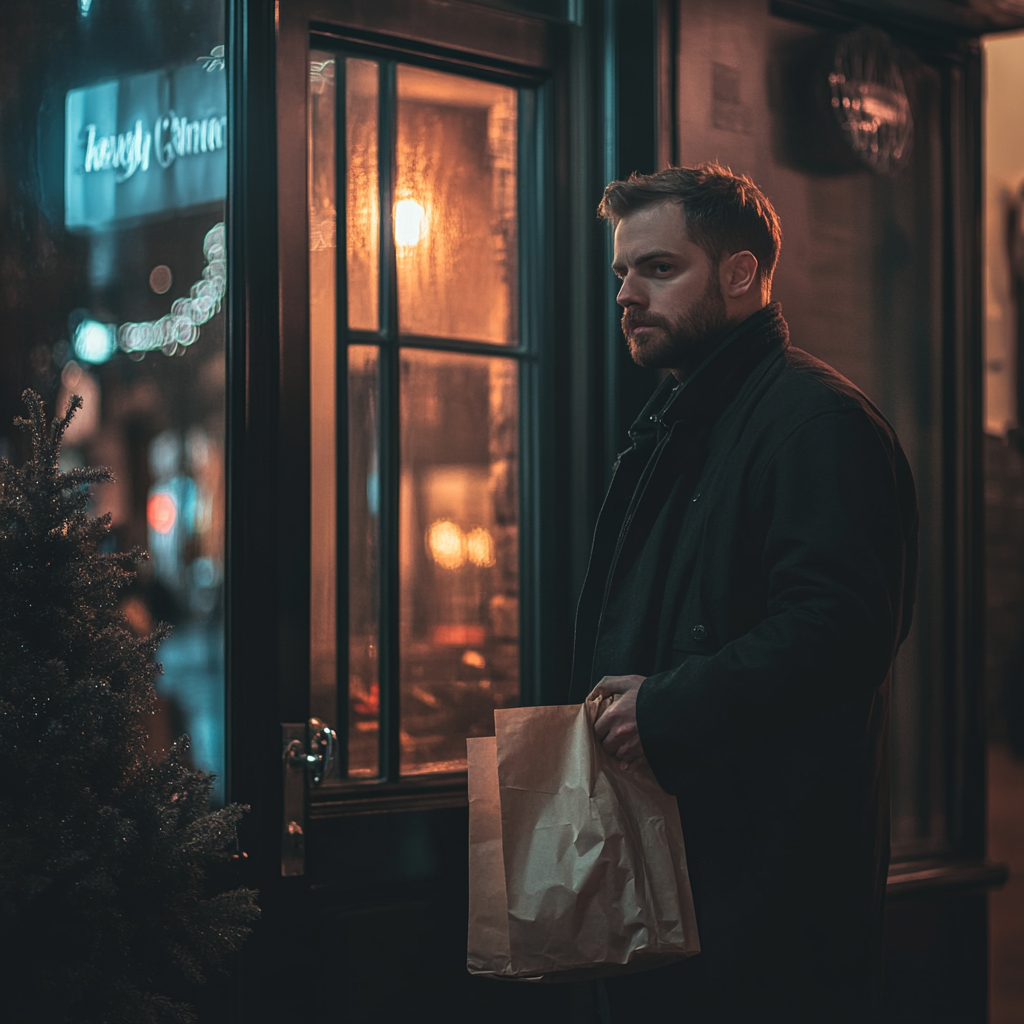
{"type": "Point", "coordinates": [104, 848]}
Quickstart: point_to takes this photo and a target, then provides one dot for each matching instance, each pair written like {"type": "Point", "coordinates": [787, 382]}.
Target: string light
{"type": "Point", "coordinates": [94, 342]}
{"type": "Point", "coordinates": [451, 548]}
{"type": "Point", "coordinates": [180, 328]}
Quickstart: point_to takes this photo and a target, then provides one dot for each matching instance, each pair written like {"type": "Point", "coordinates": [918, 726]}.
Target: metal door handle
{"type": "Point", "coordinates": [307, 753]}
{"type": "Point", "coordinates": [318, 757]}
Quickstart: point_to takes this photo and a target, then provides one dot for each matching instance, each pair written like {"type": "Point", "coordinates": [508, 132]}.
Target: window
{"type": "Point", "coordinates": [418, 364]}
{"type": "Point", "coordinates": [114, 166]}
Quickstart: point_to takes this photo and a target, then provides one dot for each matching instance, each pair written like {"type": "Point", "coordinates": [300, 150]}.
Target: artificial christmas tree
{"type": "Point", "coordinates": [105, 851]}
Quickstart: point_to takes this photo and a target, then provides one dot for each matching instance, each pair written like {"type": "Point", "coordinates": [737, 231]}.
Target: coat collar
{"type": "Point", "coordinates": [707, 391]}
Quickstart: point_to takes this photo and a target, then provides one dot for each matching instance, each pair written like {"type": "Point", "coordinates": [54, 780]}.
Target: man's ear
{"type": "Point", "coordinates": [738, 274]}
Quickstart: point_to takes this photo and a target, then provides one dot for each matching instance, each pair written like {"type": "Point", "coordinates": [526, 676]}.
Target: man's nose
{"type": "Point", "coordinates": [629, 293]}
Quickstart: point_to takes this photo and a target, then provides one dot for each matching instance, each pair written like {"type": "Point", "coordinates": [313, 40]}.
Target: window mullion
{"type": "Point", "coordinates": [390, 424]}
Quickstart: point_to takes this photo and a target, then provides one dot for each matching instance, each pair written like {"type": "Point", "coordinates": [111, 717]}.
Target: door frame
{"type": "Point", "coordinates": [267, 642]}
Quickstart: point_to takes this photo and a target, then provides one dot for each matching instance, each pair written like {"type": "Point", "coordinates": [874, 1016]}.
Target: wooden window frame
{"type": "Point", "coordinates": [391, 785]}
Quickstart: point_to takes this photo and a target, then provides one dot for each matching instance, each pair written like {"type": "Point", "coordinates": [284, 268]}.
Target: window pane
{"type": "Point", "coordinates": [364, 561]}
{"type": "Point", "coordinates": [363, 195]}
{"type": "Point", "coordinates": [455, 207]}
{"type": "Point", "coordinates": [459, 562]}
{"type": "Point", "coordinates": [322, 452]}
{"type": "Point", "coordinates": [114, 274]}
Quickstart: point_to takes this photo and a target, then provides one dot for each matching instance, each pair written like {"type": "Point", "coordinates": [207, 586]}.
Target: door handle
{"type": "Point", "coordinates": [307, 753]}
{"type": "Point", "coordinates": [317, 757]}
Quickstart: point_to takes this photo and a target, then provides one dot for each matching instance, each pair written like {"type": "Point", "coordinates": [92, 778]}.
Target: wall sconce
{"type": "Point", "coordinates": [869, 99]}
{"type": "Point", "coordinates": [410, 223]}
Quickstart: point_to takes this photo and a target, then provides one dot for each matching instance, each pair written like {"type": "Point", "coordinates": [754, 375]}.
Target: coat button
{"type": "Point", "coordinates": [698, 632]}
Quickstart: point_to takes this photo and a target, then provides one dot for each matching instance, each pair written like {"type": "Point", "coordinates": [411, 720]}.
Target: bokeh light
{"type": "Point", "coordinates": [446, 544]}
{"type": "Point", "coordinates": [480, 547]}
{"type": "Point", "coordinates": [94, 342]}
{"type": "Point", "coordinates": [161, 512]}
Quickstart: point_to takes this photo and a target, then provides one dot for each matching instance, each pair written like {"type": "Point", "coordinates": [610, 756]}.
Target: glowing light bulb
{"type": "Point", "coordinates": [446, 544]}
{"type": "Point", "coordinates": [480, 547]}
{"type": "Point", "coordinates": [410, 223]}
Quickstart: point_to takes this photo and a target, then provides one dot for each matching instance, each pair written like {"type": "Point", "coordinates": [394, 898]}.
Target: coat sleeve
{"type": "Point", "coordinates": [837, 521]}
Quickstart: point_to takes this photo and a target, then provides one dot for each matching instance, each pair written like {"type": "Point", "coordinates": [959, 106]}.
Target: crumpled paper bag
{"type": "Point", "coordinates": [576, 863]}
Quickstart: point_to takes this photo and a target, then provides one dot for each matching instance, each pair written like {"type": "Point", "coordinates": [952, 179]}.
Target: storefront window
{"type": "Point", "coordinates": [113, 175]}
{"type": "Point", "coordinates": [416, 556]}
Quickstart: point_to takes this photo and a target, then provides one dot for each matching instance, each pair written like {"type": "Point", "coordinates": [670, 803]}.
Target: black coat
{"type": "Point", "coordinates": [755, 559]}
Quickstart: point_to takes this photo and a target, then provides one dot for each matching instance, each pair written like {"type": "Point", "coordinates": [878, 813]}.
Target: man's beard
{"type": "Point", "coordinates": [685, 342]}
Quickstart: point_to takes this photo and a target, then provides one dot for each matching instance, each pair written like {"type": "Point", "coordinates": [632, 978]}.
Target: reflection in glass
{"type": "Point", "coordinates": [363, 196]}
{"type": "Point", "coordinates": [363, 561]}
{"type": "Point", "coordinates": [323, 481]}
{"type": "Point", "coordinates": [113, 283]}
{"type": "Point", "coordinates": [455, 207]}
{"type": "Point", "coordinates": [458, 552]}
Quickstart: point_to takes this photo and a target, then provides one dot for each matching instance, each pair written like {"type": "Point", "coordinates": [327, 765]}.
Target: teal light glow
{"type": "Point", "coordinates": [94, 342]}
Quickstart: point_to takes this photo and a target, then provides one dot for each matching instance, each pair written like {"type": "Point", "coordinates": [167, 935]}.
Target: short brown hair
{"type": "Point", "coordinates": [725, 212]}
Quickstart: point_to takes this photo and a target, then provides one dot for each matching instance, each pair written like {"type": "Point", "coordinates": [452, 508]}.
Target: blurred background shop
{"type": "Point", "coordinates": [328, 278]}
{"type": "Point", "coordinates": [112, 274]}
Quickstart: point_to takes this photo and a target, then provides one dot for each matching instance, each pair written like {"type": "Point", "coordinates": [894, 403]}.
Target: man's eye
{"type": "Point", "coordinates": [662, 268]}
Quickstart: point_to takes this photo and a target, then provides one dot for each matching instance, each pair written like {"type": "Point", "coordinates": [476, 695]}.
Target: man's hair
{"type": "Point", "coordinates": [725, 212]}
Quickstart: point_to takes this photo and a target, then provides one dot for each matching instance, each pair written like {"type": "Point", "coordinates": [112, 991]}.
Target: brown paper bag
{"type": "Point", "coordinates": [576, 864]}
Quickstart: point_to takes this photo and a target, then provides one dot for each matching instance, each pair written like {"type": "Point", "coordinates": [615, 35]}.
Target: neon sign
{"type": "Point", "coordinates": [142, 148]}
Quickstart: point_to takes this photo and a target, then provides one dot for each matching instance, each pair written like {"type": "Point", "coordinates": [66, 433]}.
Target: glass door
{"type": "Point", "coordinates": [417, 364]}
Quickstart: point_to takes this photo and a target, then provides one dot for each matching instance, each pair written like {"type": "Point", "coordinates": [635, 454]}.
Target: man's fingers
{"type": "Point", "coordinates": [615, 735]}
{"type": "Point", "coordinates": [610, 686]}
{"type": "Point", "coordinates": [622, 751]}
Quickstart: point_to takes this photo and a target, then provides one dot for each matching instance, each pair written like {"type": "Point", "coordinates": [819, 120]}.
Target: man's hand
{"type": "Point", "coordinates": [616, 726]}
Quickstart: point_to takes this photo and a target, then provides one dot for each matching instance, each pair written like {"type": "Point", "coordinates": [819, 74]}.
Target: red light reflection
{"type": "Point", "coordinates": [161, 512]}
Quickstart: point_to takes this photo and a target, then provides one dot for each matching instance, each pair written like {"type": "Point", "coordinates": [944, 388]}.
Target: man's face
{"type": "Point", "coordinates": [674, 313]}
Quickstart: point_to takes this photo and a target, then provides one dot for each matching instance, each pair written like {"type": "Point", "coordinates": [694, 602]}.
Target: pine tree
{"type": "Point", "coordinates": [106, 851]}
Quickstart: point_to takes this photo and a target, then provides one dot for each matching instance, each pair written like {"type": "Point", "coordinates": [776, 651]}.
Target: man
{"type": "Point", "coordinates": [751, 579]}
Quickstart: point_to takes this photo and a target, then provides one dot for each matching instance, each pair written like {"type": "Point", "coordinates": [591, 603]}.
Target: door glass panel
{"type": "Point", "coordinates": [455, 207]}
{"type": "Point", "coordinates": [458, 552]}
{"type": "Point", "coordinates": [362, 201]}
{"type": "Point", "coordinates": [323, 478]}
{"type": "Point", "coordinates": [363, 561]}
{"type": "Point", "coordinates": [446, 569]}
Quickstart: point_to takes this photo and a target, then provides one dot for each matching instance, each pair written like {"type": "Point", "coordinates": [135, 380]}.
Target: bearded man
{"type": "Point", "coordinates": [751, 580]}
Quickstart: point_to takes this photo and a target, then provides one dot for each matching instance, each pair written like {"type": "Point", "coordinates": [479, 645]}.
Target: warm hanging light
{"type": "Point", "coordinates": [446, 544]}
{"type": "Point", "coordinates": [410, 223]}
{"type": "Point", "coordinates": [480, 547]}
{"type": "Point", "coordinates": [451, 548]}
